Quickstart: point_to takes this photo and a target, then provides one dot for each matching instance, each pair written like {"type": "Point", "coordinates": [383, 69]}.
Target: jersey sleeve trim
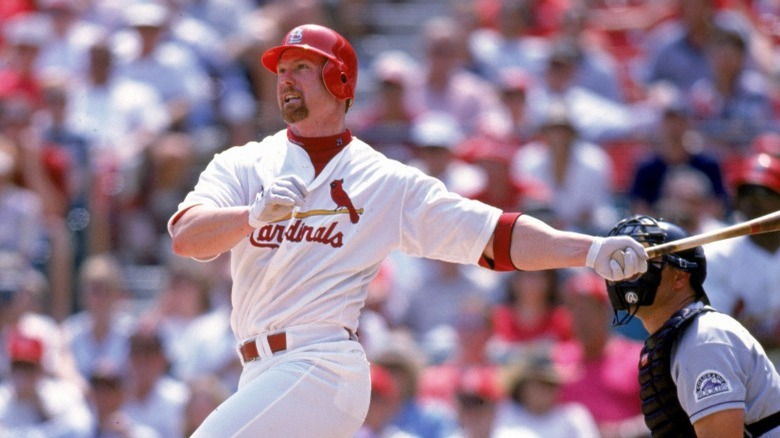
{"type": "Point", "coordinates": [502, 242]}
{"type": "Point", "coordinates": [177, 216]}
{"type": "Point", "coordinates": [734, 404]}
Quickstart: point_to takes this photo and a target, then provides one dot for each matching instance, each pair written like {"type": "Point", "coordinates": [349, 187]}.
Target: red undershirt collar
{"type": "Point", "coordinates": [321, 149]}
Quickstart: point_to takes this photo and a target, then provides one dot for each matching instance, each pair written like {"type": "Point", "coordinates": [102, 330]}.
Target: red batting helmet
{"type": "Point", "coordinates": [339, 72]}
{"type": "Point", "coordinates": [761, 170]}
{"type": "Point", "coordinates": [767, 143]}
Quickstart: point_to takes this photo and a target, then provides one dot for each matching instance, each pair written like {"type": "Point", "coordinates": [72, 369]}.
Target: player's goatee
{"type": "Point", "coordinates": [293, 113]}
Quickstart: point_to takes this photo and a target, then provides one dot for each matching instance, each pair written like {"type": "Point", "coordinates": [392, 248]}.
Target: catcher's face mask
{"type": "Point", "coordinates": [629, 295]}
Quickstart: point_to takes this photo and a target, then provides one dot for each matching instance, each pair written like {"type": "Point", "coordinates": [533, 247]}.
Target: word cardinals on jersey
{"type": "Point", "coordinates": [272, 235]}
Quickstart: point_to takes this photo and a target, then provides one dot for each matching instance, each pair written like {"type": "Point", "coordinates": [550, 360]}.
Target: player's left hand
{"type": "Point", "coordinates": [617, 258]}
{"type": "Point", "coordinates": [277, 200]}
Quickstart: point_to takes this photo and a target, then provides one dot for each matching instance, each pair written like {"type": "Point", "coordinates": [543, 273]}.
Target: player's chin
{"type": "Point", "coordinates": [292, 113]}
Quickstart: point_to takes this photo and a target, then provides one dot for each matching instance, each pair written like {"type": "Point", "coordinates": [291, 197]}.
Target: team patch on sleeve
{"type": "Point", "coordinates": [710, 383]}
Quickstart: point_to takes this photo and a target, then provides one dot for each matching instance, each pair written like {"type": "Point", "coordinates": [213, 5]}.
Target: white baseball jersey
{"type": "Point", "coordinates": [316, 267]}
{"type": "Point", "coordinates": [741, 274]}
{"type": "Point", "coordinates": [718, 365]}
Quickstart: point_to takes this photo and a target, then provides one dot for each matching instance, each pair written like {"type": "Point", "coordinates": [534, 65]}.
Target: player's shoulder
{"type": "Point", "coordinates": [717, 328]}
{"type": "Point", "coordinates": [364, 154]}
{"type": "Point", "coordinates": [255, 148]}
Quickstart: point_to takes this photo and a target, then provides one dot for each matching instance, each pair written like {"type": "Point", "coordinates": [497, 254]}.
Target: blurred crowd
{"type": "Point", "coordinates": [579, 112]}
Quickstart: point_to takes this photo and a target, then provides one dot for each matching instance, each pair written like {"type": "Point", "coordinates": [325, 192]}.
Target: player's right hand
{"type": "Point", "coordinates": [277, 200]}
{"type": "Point", "coordinates": [617, 258]}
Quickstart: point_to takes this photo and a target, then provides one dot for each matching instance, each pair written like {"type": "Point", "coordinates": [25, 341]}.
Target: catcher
{"type": "Point", "coordinates": [701, 373]}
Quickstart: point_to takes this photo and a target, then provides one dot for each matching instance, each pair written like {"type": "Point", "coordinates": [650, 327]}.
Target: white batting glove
{"type": "Point", "coordinates": [277, 200]}
{"type": "Point", "coordinates": [617, 258]}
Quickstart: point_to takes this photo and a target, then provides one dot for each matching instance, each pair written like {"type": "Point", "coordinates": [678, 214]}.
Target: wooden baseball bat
{"type": "Point", "coordinates": [762, 224]}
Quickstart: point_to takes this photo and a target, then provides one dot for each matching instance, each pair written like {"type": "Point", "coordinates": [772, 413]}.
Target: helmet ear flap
{"type": "Point", "coordinates": [336, 79]}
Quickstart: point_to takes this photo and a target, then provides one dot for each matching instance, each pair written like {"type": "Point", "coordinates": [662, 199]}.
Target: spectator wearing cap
{"type": "Point", "coordinates": [438, 382]}
{"type": "Point", "coordinates": [596, 118]}
{"type": "Point", "coordinates": [597, 68]}
{"type": "Point", "coordinates": [676, 50]}
{"type": "Point", "coordinates": [687, 199]}
{"type": "Point", "coordinates": [385, 121]}
{"type": "Point", "coordinates": [194, 327]}
{"type": "Point", "coordinates": [477, 395]}
{"type": "Point", "coordinates": [35, 403]}
{"type": "Point", "coordinates": [677, 144]}
{"type": "Point", "coordinates": [100, 332]}
{"type": "Point", "coordinates": [21, 209]}
{"type": "Point", "coordinates": [155, 398]}
{"type": "Point", "coordinates": [403, 359]}
{"type": "Point", "coordinates": [513, 87]}
{"type": "Point", "coordinates": [606, 380]}
{"type": "Point", "coordinates": [168, 66]}
{"type": "Point", "coordinates": [509, 44]}
{"type": "Point", "coordinates": [743, 278]}
{"type": "Point", "coordinates": [216, 33]}
{"type": "Point", "coordinates": [577, 172]}
{"type": "Point", "coordinates": [493, 153]}
{"type": "Point", "coordinates": [25, 35]}
{"type": "Point", "coordinates": [533, 407]}
{"type": "Point", "coordinates": [107, 394]}
{"type": "Point", "coordinates": [118, 115]}
{"type": "Point", "coordinates": [65, 51]}
{"type": "Point", "coordinates": [733, 105]}
{"type": "Point", "coordinates": [444, 84]}
{"type": "Point", "coordinates": [435, 137]}
{"type": "Point", "coordinates": [434, 304]}
{"type": "Point", "coordinates": [24, 299]}
{"type": "Point", "coordinates": [386, 402]}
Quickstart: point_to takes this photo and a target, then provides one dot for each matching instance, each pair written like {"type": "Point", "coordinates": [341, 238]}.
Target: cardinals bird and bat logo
{"type": "Point", "coordinates": [272, 235]}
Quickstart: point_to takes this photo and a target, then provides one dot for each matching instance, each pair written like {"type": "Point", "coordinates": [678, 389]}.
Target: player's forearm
{"type": "Point", "coordinates": [204, 232]}
{"type": "Point", "coordinates": [536, 245]}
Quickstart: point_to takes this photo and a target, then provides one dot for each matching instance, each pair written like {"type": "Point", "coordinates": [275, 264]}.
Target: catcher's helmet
{"type": "Point", "coordinates": [629, 295]}
{"type": "Point", "coordinates": [340, 70]}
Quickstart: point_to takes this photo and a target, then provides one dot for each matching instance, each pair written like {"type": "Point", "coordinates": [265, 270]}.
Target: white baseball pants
{"type": "Point", "coordinates": [319, 387]}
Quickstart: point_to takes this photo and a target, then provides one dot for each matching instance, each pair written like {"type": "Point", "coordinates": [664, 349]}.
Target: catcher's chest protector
{"type": "Point", "coordinates": [660, 406]}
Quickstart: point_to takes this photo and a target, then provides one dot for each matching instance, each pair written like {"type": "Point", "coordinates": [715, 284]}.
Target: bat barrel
{"type": "Point", "coordinates": [762, 224]}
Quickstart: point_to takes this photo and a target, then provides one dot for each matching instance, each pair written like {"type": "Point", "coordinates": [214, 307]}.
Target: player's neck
{"type": "Point", "coordinates": [321, 149]}
{"type": "Point", "coordinates": [320, 124]}
{"type": "Point", "coordinates": [320, 143]}
{"type": "Point", "coordinates": [655, 317]}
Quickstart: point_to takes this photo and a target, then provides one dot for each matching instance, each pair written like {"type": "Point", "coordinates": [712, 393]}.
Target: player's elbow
{"type": "Point", "coordinates": [187, 248]}
{"type": "Point", "coordinates": [180, 246]}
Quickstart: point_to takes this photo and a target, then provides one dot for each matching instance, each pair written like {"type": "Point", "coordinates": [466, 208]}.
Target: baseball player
{"type": "Point", "coordinates": [308, 214]}
{"type": "Point", "coordinates": [701, 373]}
{"type": "Point", "coordinates": [752, 293]}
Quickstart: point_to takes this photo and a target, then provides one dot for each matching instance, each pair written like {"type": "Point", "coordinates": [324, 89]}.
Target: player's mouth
{"type": "Point", "coordinates": [288, 98]}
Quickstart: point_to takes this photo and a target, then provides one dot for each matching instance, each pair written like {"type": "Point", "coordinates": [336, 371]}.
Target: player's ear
{"type": "Point", "coordinates": [681, 278]}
